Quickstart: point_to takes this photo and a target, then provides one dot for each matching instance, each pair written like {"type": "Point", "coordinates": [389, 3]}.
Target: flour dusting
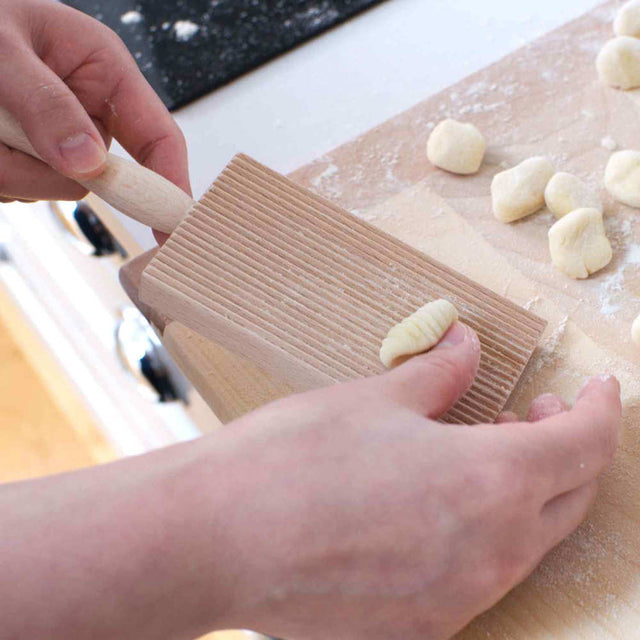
{"type": "Point", "coordinates": [611, 293]}
{"type": "Point", "coordinates": [531, 303]}
{"type": "Point", "coordinates": [550, 346]}
{"type": "Point", "coordinates": [131, 17]}
{"type": "Point", "coordinates": [185, 30]}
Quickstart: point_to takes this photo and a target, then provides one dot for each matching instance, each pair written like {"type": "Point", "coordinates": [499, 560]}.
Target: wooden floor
{"type": "Point", "coordinates": [44, 428]}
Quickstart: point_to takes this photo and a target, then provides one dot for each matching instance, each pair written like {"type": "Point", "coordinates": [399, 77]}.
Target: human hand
{"type": "Point", "coordinates": [344, 513]}
{"type": "Point", "coordinates": [359, 516]}
{"type": "Point", "coordinates": [73, 85]}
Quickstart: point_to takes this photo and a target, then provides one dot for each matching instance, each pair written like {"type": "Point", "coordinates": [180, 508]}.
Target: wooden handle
{"type": "Point", "coordinates": [134, 190]}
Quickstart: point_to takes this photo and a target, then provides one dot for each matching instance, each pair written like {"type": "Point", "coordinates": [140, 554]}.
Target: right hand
{"type": "Point", "coordinates": [361, 517]}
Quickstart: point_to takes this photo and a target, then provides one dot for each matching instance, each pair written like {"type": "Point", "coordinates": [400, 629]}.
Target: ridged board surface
{"type": "Point", "coordinates": [309, 291]}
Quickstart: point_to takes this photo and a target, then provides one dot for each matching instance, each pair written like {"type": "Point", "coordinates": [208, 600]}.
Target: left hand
{"type": "Point", "coordinates": [72, 85]}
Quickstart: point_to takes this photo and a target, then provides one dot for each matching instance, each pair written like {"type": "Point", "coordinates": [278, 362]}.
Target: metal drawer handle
{"type": "Point", "coordinates": [88, 232]}
{"type": "Point", "coordinates": [143, 356]}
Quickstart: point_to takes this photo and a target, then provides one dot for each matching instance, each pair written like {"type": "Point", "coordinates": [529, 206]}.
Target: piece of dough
{"type": "Point", "coordinates": [519, 192]}
{"type": "Point", "coordinates": [618, 63]}
{"type": "Point", "coordinates": [578, 243]}
{"type": "Point", "coordinates": [457, 147]}
{"type": "Point", "coordinates": [622, 177]}
{"type": "Point", "coordinates": [419, 332]}
{"type": "Point", "coordinates": [566, 193]}
{"type": "Point", "coordinates": [635, 331]}
{"type": "Point", "coordinates": [627, 22]}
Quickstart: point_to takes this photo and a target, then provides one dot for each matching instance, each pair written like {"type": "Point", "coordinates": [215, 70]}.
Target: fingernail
{"type": "Point", "coordinates": [455, 336]}
{"type": "Point", "coordinates": [83, 153]}
{"type": "Point", "coordinates": [611, 379]}
{"type": "Point", "coordinates": [606, 378]}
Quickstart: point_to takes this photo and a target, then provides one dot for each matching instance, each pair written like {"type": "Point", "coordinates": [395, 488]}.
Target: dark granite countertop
{"type": "Point", "coordinates": [187, 48]}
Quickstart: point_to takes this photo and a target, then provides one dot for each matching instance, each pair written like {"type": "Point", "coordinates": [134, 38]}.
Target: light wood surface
{"type": "Point", "coordinates": [543, 99]}
{"type": "Point", "coordinates": [131, 188]}
{"type": "Point", "coordinates": [230, 384]}
{"type": "Point", "coordinates": [307, 291]}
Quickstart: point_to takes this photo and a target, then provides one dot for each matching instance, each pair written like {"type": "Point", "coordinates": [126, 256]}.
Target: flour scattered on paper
{"type": "Point", "coordinates": [633, 254]}
{"type": "Point", "coordinates": [531, 303]}
{"type": "Point", "coordinates": [609, 143]}
{"type": "Point", "coordinates": [612, 292]}
{"type": "Point", "coordinates": [550, 346]}
{"type": "Point", "coordinates": [131, 17]}
{"type": "Point", "coordinates": [185, 30]}
{"type": "Point", "coordinates": [327, 182]}
{"type": "Point", "coordinates": [608, 290]}
{"type": "Point", "coordinates": [331, 170]}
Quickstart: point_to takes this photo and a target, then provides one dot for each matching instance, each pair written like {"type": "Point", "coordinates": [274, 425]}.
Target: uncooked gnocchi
{"type": "Point", "coordinates": [456, 146]}
{"type": "Point", "coordinates": [578, 243]}
{"type": "Point", "coordinates": [622, 177]}
{"type": "Point", "coordinates": [627, 22]}
{"type": "Point", "coordinates": [419, 332]}
{"type": "Point", "coordinates": [566, 193]}
{"type": "Point", "coordinates": [618, 63]}
{"type": "Point", "coordinates": [519, 192]}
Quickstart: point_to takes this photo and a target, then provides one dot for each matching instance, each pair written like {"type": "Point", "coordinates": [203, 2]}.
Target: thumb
{"type": "Point", "coordinates": [432, 383]}
{"type": "Point", "coordinates": [56, 123]}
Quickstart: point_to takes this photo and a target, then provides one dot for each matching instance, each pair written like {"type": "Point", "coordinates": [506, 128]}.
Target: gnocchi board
{"type": "Point", "coordinates": [307, 291]}
{"type": "Point", "coordinates": [543, 99]}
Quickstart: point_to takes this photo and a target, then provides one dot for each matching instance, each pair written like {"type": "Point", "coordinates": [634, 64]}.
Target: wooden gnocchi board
{"type": "Point", "coordinates": [543, 99]}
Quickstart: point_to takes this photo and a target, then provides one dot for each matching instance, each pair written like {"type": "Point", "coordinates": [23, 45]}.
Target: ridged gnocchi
{"type": "Point", "coordinates": [419, 332]}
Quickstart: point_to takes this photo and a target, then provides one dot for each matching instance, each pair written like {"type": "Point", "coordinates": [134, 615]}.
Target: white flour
{"type": "Point", "coordinates": [131, 17]}
{"type": "Point", "coordinates": [185, 30]}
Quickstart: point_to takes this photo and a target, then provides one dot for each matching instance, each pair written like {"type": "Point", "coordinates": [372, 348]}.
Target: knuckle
{"type": "Point", "coordinates": [112, 41]}
{"type": "Point", "coordinates": [10, 44]}
{"type": "Point", "coordinates": [46, 99]}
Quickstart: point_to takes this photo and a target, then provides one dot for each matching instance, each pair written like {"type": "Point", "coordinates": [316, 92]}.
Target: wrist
{"type": "Point", "coordinates": [188, 491]}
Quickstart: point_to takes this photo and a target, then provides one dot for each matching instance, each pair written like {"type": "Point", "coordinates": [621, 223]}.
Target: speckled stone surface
{"type": "Point", "coordinates": [187, 48]}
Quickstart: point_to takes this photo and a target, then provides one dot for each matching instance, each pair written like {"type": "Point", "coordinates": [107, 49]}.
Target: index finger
{"type": "Point", "coordinates": [145, 128]}
{"type": "Point", "coordinates": [103, 75]}
{"type": "Point", "coordinates": [572, 448]}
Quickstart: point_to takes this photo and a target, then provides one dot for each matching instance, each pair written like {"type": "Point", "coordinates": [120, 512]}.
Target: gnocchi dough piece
{"type": "Point", "coordinates": [578, 243]}
{"type": "Point", "coordinates": [618, 63]}
{"type": "Point", "coordinates": [419, 332]}
{"type": "Point", "coordinates": [566, 193]}
{"type": "Point", "coordinates": [456, 146]}
{"type": "Point", "coordinates": [635, 331]}
{"type": "Point", "coordinates": [627, 22]}
{"type": "Point", "coordinates": [519, 192]}
{"type": "Point", "coordinates": [622, 177]}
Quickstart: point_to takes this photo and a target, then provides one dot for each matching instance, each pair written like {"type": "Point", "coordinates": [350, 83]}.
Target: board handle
{"type": "Point", "coordinates": [131, 188]}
